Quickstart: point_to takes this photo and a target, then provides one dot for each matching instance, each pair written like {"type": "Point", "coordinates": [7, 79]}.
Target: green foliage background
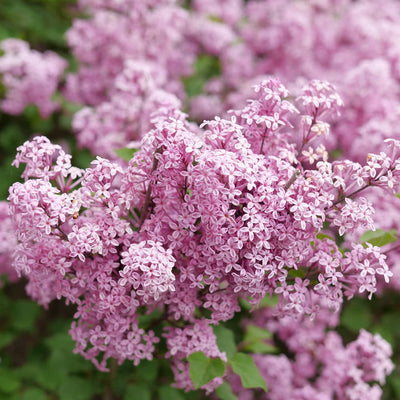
{"type": "Point", "coordinates": [36, 352]}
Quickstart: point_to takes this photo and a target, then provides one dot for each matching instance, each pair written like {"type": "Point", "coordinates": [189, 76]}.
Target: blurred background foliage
{"type": "Point", "coordinates": [36, 352]}
{"type": "Point", "coordinates": [40, 22]}
{"type": "Point", "coordinates": [43, 24]}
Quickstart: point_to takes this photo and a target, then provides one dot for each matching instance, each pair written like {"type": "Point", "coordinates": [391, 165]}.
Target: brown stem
{"type": "Point", "coordinates": [109, 394]}
{"type": "Point", "coordinates": [63, 234]}
{"type": "Point", "coordinates": [305, 138]}
{"type": "Point", "coordinates": [263, 140]}
{"type": "Point", "coordinates": [346, 196]}
{"type": "Point", "coordinates": [144, 212]}
{"type": "Point", "coordinates": [295, 175]}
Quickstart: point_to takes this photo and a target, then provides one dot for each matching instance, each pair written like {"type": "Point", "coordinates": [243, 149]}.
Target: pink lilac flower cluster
{"type": "Point", "coordinates": [128, 112]}
{"type": "Point", "coordinates": [326, 370]}
{"type": "Point", "coordinates": [8, 242]}
{"type": "Point", "coordinates": [297, 41]}
{"type": "Point", "coordinates": [316, 364]}
{"type": "Point", "coordinates": [126, 72]}
{"type": "Point", "coordinates": [302, 40]}
{"type": "Point", "coordinates": [324, 39]}
{"type": "Point", "coordinates": [126, 69]}
{"type": "Point", "coordinates": [117, 32]}
{"type": "Point", "coordinates": [198, 219]}
{"type": "Point", "coordinates": [30, 77]}
{"type": "Point", "coordinates": [149, 46]}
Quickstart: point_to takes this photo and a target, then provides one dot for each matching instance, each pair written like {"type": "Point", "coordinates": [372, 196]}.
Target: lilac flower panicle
{"type": "Point", "coordinates": [30, 77]}
{"type": "Point", "coordinates": [246, 205]}
{"type": "Point", "coordinates": [234, 208]}
{"type": "Point", "coordinates": [199, 218]}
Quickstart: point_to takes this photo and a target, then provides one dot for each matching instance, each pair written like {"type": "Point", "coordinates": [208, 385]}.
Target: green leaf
{"type": "Point", "coordinates": [126, 153]}
{"type": "Point", "coordinates": [49, 377]}
{"type": "Point", "coordinates": [244, 365]}
{"type": "Point", "coordinates": [203, 369]}
{"type": "Point", "coordinates": [8, 381]}
{"type": "Point", "coordinates": [254, 332]}
{"type": "Point", "coordinates": [146, 319]}
{"type": "Point", "coordinates": [62, 356]}
{"type": "Point", "coordinates": [379, 237]}
{"type": "Point", "coordinates": [356, 315]}
{"type": "Point", "coordinates": [76, 388]}
{"type": "Point", "coordinates": [389, 327]}
{"type": "Point", "coordinates": [392, 320]}
{"type": "Point", "coordinates": [60, 341]}
{"type": "Point", "coordinates": [321, 236]}
{"type": "Point", "coordinates": [6, 338]}
{"type": "Point", "coordinates": [138, 391]}
{"type": "Point", "coordinates": [34, 394]}
{"type": "Point", "coordinates": [245, 304]}
{"type": "Point", "coordinates": [122, 378]}
{"type": "Point", "coordinates": [394, 381]}
{"type": "Point", "coordinates": [254, 340]}
{"type": "Point", "coordinates": [296, 273]}
{"type": "Point", "coordinates": [225, 340]}
{"type": "Point", "coordinates": [147, 370]}
{"type": "Point", "coordinates": [224, 392]}
{"type": "Point", "coordinates": [260, 348]}
{"type": "Point", "coordinates": [23, 315]}
{"type": "Point", "coordinates": [170, 393]}
{"type": "Point", "coordinates": [68, 362]}
{"type": "Point", "coordinates": [266, 301]}
{"type": "Point", "coordinates": [4, 302]}
{"type": "Point", "coordinates": [206, 66]}
{"type": "Point", "coordinates": [269, 301]}
{"type": "Point", "coordinates": [29, 371]}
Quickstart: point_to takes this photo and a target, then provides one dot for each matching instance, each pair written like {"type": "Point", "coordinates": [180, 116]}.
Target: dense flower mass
{"type": "Point", "coordinates": [250, 205]}
{"type": "Point", "coordinates": [334, 371]}
{"type": "Point", "coordinates": [197, 220]}
{"type": "Point", "coordinates": [138, 47]}
{"type": "Point", "coordinates": [31, 77]}
{"type": "Point", "coordinates": [8, 242]}
{"type": "Point", "coordinates": [318, 364]}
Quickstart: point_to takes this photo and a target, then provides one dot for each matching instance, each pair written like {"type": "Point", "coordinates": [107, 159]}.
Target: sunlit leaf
{"type": "Point", "coordinates": [203, 369]}
{"type": "Point", "coordinates": [170, 393]}
{"type": "Point", "coordinates": [379, 237]}
{"type": "Point", "coordinates": [224, 392]}
{"type": "Point", "coordinates": [126, 153]}
{"type": "Point", "coordinates": [356, 315]}
{"type": "Point", "coordinates": [244, 365]}
{"type": "Point", "coordinates": [225, 340]}
{"type": "Point", "coordinates": [138, 391]}
{"type": "Point", "coordinates": [255, 340]}
{"type": "Point", "coordinates": [76, 388]}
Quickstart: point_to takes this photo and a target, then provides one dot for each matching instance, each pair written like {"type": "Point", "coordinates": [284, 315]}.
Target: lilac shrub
{"type": "Point", "coordinates": [246, 205]}
{"type": "Point", "coordinates": [197, 220]}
